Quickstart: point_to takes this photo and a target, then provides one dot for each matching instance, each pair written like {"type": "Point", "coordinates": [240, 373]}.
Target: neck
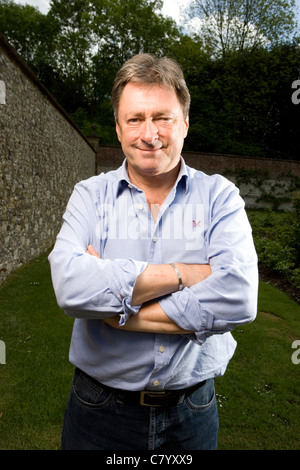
{"type": "Point", "coordinates": [154, 184]}
{"type": "Point", "coordinates": [156, 188]}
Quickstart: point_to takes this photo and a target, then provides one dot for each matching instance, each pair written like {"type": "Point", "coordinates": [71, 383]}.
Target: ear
{"type": "Point", "coordinates": [118, 131]}
{"type": "Point", "coordinates": [186, 123]}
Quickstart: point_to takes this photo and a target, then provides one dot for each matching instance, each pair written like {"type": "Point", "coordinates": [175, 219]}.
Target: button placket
{"type": "Point", "coordinates": [161, 360]}
{"type": "Point", "coordinates": [138, 206]}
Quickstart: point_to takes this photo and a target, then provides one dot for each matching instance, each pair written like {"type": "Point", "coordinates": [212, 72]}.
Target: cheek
{"type": "Point", "coordinates": [176, 137]}
{"type": "Point", "coordinates": [126, 137]}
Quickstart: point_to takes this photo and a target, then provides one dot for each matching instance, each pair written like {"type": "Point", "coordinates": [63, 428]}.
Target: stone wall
{"type": "Point", "coordinates": [42, 155]}
{"type": "Point", "coordinates": [266, 183]}
{"type": "Point", "coordinates": [110, 157]}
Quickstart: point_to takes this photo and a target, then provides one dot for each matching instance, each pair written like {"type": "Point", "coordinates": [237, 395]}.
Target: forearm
{"type": "Point", "coordinates": [156, 281]}
{"type": "Point", "coordinates": [87, 287]}
{"type": "Point", "coordinates": [159, 280]}
{"type": "Point", "coordinates": [227, 299]}
{"type": "Point", "coordinates": [150, 319]}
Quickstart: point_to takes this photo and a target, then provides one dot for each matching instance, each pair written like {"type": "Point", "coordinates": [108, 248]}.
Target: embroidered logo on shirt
{"type": "Point", "coordinates": [196, 224]}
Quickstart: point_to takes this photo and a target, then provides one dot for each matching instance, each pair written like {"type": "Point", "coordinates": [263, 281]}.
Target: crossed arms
{"type": "Point", "coordinates": [218, 297]}
{"type": "Point", "coordinates": [153, 282]}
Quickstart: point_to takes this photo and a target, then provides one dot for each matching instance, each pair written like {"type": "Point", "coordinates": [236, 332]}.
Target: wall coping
{"type": "Point", "coordinates": [20, 62]}
{"type": "Point", "coordinates": [223, 155]}
{"type": "Point", "coordinates": [240, 157]}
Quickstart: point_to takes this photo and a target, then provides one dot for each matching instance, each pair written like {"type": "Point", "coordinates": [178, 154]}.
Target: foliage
{"type": "Point", "coordinates": [227, 26]}
{"type": "Point", "coordinates": [276, 192]}
{"type": "Point", "coordinates": [95, 37]}
{"type": "Point", "coordinates": [241, 100]}
{"type": "Point", "coordinates": [29, 31]}
{"type": "Point", "coordinates": [242, 104]}
{"type": "Point", "coordinates": [277, 241]}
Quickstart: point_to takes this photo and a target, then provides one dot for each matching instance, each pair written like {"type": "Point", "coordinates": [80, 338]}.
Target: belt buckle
{"type": "Point", "coordinates": [148, 392]}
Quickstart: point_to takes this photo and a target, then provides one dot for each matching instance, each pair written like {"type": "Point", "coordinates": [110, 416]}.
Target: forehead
{"type": "Point", "coordinates": [139, 98]}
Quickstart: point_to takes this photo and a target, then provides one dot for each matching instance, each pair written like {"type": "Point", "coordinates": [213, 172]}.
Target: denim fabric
{"type": "Point", "coordinates": [99, 419]}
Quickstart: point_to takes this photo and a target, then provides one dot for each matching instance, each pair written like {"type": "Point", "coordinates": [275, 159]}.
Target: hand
{"type": "Point", "coordinates": [91, 251]}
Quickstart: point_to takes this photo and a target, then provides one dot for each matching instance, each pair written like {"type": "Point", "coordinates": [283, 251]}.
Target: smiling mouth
{"type": "Point", "coordinates": [154, 149]}
{"type": "Point", "coordinates": [150, 149]}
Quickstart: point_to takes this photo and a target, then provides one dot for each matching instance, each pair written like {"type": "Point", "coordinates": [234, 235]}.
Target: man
{"type": "Point", "coordinates": [156, 263]}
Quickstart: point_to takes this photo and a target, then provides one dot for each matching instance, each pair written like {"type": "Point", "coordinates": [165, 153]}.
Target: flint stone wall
{"type": "Point", "coordinates": [42, 156]}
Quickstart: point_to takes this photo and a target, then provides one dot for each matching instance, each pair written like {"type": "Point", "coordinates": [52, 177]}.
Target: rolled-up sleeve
{"type": "Point", "coordinates": [228, 297]}
{"type": "Point", "coordinates": [85, 286]}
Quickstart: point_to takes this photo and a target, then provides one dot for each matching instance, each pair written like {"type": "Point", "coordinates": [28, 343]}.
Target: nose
{"type": "Point", "coordinates": [149, 132]}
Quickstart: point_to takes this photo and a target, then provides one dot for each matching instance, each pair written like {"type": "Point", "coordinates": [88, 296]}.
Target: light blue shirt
{"type": "Point", "coordinates": [201, 221]}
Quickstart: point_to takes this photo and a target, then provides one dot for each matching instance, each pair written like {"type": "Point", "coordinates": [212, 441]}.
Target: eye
{"type": "Point", "coordinates": [164, 120]}
{"type": "Point", "coordinates": [133, 121]}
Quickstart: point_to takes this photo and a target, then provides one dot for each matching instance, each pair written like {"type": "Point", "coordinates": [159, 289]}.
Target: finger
{"type": "Point", "coordinates": [91, 251]}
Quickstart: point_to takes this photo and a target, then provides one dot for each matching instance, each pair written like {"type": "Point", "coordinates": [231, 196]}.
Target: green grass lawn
{"type": "Point", "coordinates": [35, 380]}
{"type": "Point", "coordinates": [259, 396]}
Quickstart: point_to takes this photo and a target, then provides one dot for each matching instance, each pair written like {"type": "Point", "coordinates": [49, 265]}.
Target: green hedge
{"type": "Point", "coordinates": [277, 240]}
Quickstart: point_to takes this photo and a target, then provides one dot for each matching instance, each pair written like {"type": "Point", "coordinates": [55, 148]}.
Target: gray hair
{"type": "Point", "coordinates": [149, 70]}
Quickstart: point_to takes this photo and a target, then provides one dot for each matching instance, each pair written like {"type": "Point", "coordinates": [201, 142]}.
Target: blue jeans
{"type": "Point", "coordinates": [100, 419]}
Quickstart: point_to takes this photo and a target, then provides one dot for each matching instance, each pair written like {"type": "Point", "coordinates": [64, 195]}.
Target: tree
{"type": "Point", "coordinates": [78, 46]}
{"type": "Point", "coordinates": [236, 25]}
{"type": "Point", "coordinates": [241, 98]}
{"type": "Point", "coordinates": [131, 28]}
{"type": "Point", "coordinates": [28, 30]}
{"type": "Point", "coordinates": [74, 44]}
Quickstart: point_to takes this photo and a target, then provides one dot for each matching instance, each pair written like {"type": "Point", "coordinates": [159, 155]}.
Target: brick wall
{"type": "Point", "coordinates": [110, 157]}
{"type": "Point", "coordinates": [278, 181]}
{"type": "Point", "coordinates": [42, 156]}
{"type": "Point", "coordinates": [215, 163]}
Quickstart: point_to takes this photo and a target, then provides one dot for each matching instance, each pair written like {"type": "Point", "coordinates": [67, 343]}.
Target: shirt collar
{"type": "Point", "coordinates": [124, 181]}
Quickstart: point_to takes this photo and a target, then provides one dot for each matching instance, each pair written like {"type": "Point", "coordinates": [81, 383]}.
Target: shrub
{"type": "Point", "coordinates": [276, 238]}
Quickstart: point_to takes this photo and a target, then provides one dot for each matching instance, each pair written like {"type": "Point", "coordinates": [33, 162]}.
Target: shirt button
{"type": "Point", "coordinates": [141, 207]}
{"type": "Point", "coordinates": [129, 185]}
{"type": "Point", "coordinates": [154, 239]}
{"type": "Point", "coordinates": [161, 349]}
{"type": "Point", "coordinates": [156, 383]}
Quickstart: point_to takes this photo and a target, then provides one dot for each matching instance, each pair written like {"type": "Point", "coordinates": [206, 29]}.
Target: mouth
{"type": "Point", "coordinates": [153, 150]}
{"type": "Point", "coordinates": [150, 149]}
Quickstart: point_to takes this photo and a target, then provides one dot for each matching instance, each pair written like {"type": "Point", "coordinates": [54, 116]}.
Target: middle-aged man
{"type": "Point", "coordinates": [156, 263]}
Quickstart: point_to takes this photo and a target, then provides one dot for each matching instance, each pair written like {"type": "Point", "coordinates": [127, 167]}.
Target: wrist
{"type": "Point", "coordinates": [178, 274]}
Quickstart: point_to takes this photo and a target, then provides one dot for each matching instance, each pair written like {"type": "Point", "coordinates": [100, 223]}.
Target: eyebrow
{"type": "Point", "coordinates": [142, 115]}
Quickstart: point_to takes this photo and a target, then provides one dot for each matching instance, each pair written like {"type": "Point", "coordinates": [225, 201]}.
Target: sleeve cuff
{"type": "Point", "coordinates": [197, 319]}
{"type": "Point", "coordinates": [128, 310]}
{"type": "Point", "coordinates": [123, 281]}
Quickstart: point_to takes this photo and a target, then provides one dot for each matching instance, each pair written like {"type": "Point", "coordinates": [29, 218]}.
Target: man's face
{"type": "Point", "coordinates": [151, 128]}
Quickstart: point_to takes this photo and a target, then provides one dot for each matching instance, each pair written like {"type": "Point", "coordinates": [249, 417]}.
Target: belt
{"type": "Point", "coordinates": [148, 397]}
